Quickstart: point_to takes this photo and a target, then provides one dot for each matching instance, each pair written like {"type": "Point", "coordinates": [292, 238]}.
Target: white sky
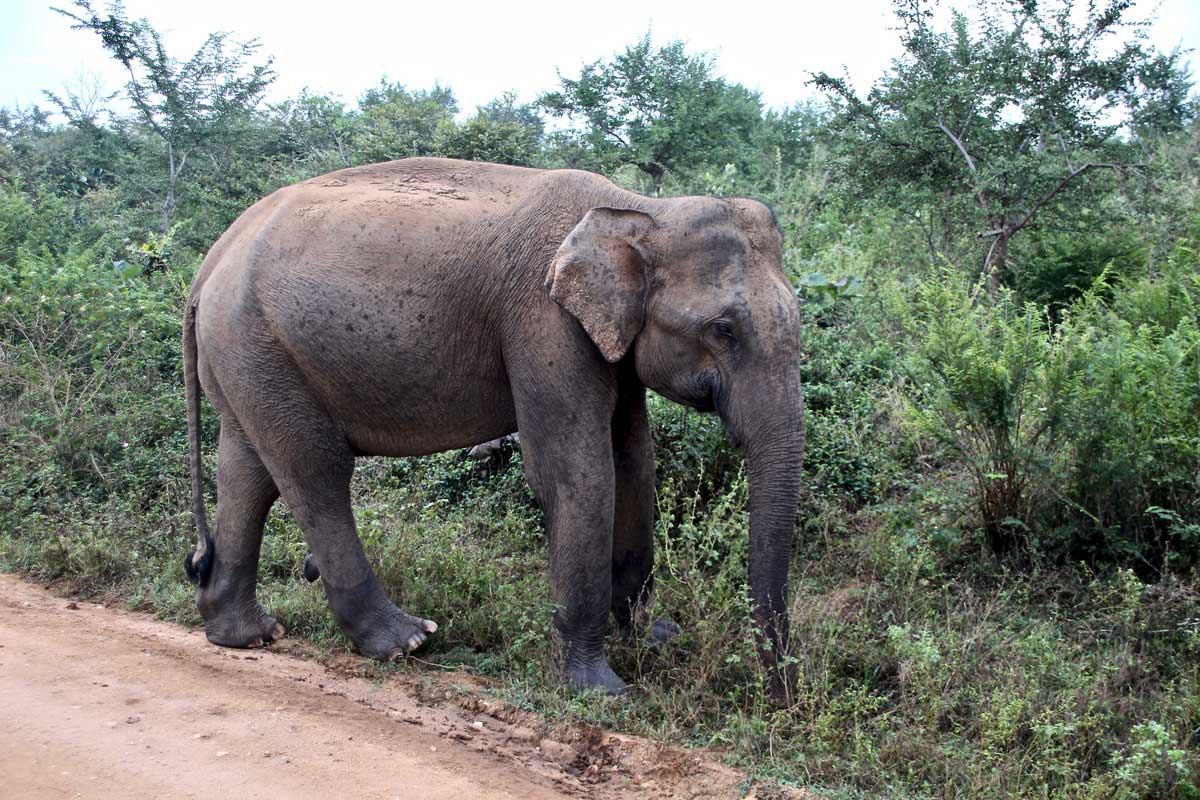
{"type": "Point", "coordinates": [482, 49]}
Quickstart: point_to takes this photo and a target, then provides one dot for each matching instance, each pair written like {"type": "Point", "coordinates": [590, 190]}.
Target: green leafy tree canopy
{"type": "Point", "coordinates": [659, 109]}
{"type": "Point", "coordinates": [196, 106]}
{"type": "Point", "coordinates": [1012, 108]}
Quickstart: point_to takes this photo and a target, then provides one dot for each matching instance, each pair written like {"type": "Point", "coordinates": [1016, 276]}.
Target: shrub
{"type": "Point", "coordinates": [1063, 267]}
{"type": "Point", "coordinates": [1133, 475]}
{"type": "Point", "coordinates": [1081, 438]}
{"type": "Point", "coordinates": [92, 406]}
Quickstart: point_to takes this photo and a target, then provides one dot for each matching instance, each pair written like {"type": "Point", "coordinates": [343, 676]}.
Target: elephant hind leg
{"type": "Point", "coordinates": [313, 470]}
{"type": "Point", "coordinates": [245, 494]}
{"type": "Point", "coordinates": [319, 496]}
{"type": "Point", "coordinates": [310, 463]}
{"type": "Point", "coordinates": [318, 492]}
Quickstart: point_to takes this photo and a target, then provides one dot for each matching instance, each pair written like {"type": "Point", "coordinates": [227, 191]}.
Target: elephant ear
{"type": "Point", "coordinates": [599, 276]}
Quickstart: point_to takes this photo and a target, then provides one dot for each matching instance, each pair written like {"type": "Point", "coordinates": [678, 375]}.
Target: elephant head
{"type": "Point", "coordinates": [694, 292]}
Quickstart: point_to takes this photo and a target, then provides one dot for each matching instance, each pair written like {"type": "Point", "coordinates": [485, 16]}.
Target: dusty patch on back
{"type": "Point", "coordinates": [421, 190]}
{"type": "Point", "coordinates": [311, 211]}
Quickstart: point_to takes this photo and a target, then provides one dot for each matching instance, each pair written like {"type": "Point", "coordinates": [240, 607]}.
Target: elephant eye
{"type": "Point", "coordinates": [723, 328]}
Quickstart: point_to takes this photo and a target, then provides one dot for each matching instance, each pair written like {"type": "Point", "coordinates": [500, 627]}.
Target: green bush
{"type": "Point", "coordinates": [1063, 267]}
{"type": "Point", "coordinates": [92, 404]}
{"type": "Point", "coordinates": [1081, 438]}
{"type": "Point", "coordinates": [42, 224]}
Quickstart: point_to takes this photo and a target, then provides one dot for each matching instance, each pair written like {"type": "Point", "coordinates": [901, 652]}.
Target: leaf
{"type": "Point", "coordinates": [126, 270]}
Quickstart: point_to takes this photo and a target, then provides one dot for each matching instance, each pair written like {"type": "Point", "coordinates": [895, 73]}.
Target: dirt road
{"type": "Point", "coordinates": [97, 702]}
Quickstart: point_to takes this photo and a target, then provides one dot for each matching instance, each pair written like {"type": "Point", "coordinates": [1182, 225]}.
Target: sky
{"type": "Point", "coordinates": [482, 49]}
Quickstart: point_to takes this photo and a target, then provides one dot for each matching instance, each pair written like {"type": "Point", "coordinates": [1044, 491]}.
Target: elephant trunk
{"type": "Point", "coordinates": [772, 435]}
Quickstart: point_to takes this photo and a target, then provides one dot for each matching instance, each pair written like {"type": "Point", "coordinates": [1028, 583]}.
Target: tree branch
{"type": "Point", "coordinates": [613, 134]}
{"type": "Point", "coordinates": [961, 148]}
{"type": "Point", "coordinates": [980, 186]}
{"type": "Point", "coordinates": [1048, 196]}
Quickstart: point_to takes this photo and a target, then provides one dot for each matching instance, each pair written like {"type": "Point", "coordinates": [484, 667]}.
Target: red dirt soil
{"type": "Point", "coordinates": [98, 702]}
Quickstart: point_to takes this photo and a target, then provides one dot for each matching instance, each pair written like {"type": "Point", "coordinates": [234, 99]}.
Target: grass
{"type": "Point", "coordinates": [925, 672]}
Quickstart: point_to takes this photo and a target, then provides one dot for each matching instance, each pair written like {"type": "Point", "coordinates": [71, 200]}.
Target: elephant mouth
{"type": "Point", "coordinates": [734, 440]}
{"type": "Point", "coordinates": [699, 393]}
{"type": "Point", "coordinates": [709, 405]}
{"type": "Point", "coordinates": [732, 435]}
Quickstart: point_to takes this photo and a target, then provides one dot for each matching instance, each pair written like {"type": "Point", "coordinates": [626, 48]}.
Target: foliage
{"type": "Point", "coordinates": [1062, 267]}
{"type": "Point", "coordinates": [659, 109]}
{"type": "Point", "coordinates": [484, 139]}
{"type": "Point", "coordinates": [397, 122]}
{"type": "Point", "coordinates": [1008, 112]}
{"type": "Point", "coordinates": [503, 131]}
{"type": "Point", "coordinates": [196, 108]}
{"type": "Point", "coordinates": [1162, 101]}
{"type": "Point", "coordinates": [1080, 437]}
{"type": "Point", "coordinates": [90, 359]}
{"type": "Point", "coordinates": [318, 132]}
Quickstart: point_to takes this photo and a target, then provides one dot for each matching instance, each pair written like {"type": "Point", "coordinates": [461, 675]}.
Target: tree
{"type": "Point", "coordinates": [659, 109]}
{"type": "Point", "coordinates": [316, 131]}
{"type": "Point", "coordinates": [1014, 109]}
{"type": "Point", "coordinates": [784, 145]}
{"type": "Point", "coordinates": [194, 107]}
{"type": "Point", "coordinates": [85, 103]}
{"type": "Point", "coordinates": [483, 139]}
{"type": "Point", "coordinates": [1161, 102]}
{"type": "Point", "coordinates": [20, 132]}
{"type": "Point", "coordinates": [502, 131]}
{"type": "Point", "coordinates": [397, 122]}
{"type": "Point", "coordinates": [505, 108]}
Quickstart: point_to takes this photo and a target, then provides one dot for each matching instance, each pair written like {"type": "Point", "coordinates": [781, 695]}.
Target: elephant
{"type": "Point", "coordinates": [494, 455]}
{"type": "Point", "coordinates": [489, 450]}
{"type": "Point", "coordinates": [422, 305]}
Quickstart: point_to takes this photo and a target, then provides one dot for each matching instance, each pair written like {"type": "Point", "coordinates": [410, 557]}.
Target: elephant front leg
{"type": "Point", "coordinates": [571, 473]}
{"type": "Point", "coordinates": [633, 524]}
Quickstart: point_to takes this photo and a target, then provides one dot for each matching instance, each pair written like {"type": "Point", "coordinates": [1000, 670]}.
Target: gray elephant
{"type": "Point", "coordinates": [495, 454]}
{"type": "Point", "coordinates": [489, 450]}
{"type": "Point", "coordinates": [423, 305]}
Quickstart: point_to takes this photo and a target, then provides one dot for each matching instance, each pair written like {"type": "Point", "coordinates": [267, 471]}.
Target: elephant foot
{"type": "Point", "coordinates": [311, 570]}
{"type": "Point", "coordinates": [596, 675]}
{"type": "Point", "coordinates": [242, 625]}
{"type": "Point", "coordinates": [661, 631]}
{"type": "Point", "coordinates": [585, 667]}
{"type": "Point", "coordinates": [395, 639]}
{"type": "Point", "coordinates": [378, 629]}
{"type": "Point", "coordinates": [651, 633]}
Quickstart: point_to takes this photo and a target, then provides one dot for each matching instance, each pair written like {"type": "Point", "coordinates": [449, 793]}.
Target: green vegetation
{"type": "Point", "coordinates": [997, 583]}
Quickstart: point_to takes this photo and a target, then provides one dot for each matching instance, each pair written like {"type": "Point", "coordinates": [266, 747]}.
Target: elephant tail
{"type": "Point", "coordinates": [198, 563]}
